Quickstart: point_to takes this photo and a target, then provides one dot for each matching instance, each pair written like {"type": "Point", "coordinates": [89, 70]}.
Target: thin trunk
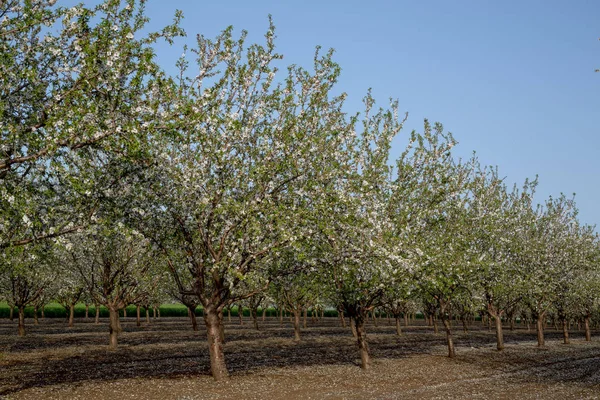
{"type": "Point", "coordinates": [87, 312]}
{"type": "Point", "coordinates": [361, 338]}
{"type": "Point", "coordinates": [215, 343]}
{"type": "Point", "coordinates": [97, 317]}
{"type": "Point", "coordinates": [264, 314]}
{"type": "Point", "coordinates": [11, 313]}
{"type": "Point", "coordinates": [138, 322]}
{"type": "Point", "coordinates": [342, 318]}
{"type": "Point", "coordinates": [540, 330]}
{"type": "Point", "coordinates": [449, 340]}
{"type": "Point", "coordinates": [565, 329]}
{"type": "Point", "coordinates": [254, 313]}
{"type": "Point", "coordinates": [153, 312]}
{"type": "Point", "coordinates": [499, 333]}
{"type": "Point", "coordinates": [21, 321]}
{"type": "Point", "coordinates": [125, 312]}
{"type": "Point", "coordinates": [240, 311]}
{"type": "Point", "coordinates": [305, 312]}
{"type": "Point", "coordinates": [192, 315]}
{"type": "Point", "coordinates": [114, 327]}
{"type": "Point", "coordinates": [512, 323]}
{"type": "Point", "coordinates": [71, 314]}
{"type": "Point", "coordinates": [374, 318]}
{"type": "Point", "coordinates": [353, 327]}
{"type": "Point", "coordinates": [398, 327]}
{"type": "Point", "coordinates": [43, 315]}
{"type": "Point", "coordinates": [405, 319]}
{"type": "Point", "coordinates": [222, 331]}
{"type": "Point", "coordinates": [35, 315]}
{"type": "Point", "coordinates": [435, 325]}
{"type": "Point", "coordinates": [158, 312]}
{"type": "Point", "coordinates": [465, 325]}
{"type": "Point", "coordinates": [228, 314]}
{"type": "Point", "coordinates": [588, 333]}
{"type": "Point", "coordinates": [296, 313]}
{"type": "Point", "coordinates": [280, 316]}
{"type": "Point", "coordinates": [147, 315]}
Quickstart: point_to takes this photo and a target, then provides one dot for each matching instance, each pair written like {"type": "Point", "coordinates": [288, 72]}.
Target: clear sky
{"type": "Point", "coordinates": [512, 80]}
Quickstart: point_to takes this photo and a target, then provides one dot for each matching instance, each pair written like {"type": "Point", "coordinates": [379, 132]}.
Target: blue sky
{"type": "Point", "coordinates": [512, 80]}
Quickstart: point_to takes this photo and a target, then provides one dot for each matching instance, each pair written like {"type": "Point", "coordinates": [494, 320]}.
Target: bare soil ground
{"type": "Point", "coordinates": [167, 360]}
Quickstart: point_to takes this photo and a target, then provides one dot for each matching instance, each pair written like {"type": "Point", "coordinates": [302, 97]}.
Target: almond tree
{"type": "Point", "coordinates": [236, 158]}
{"type": "Point", "coordinates": [545, 257]}
{"type": "Point", "coordinates": [75, 81]}
{"type": "Point", "coordinates": [358, 250]}
{"type": "Point", "coordinates": [497, 217]}
{"type": "Point", "coordinates": [581, 253]}
{"type": "Point", "coordinates": [113, 262]}
{"type": "Point", "coordinates": [25, 278]}
{"type": "Point", "coordinates": [431, 219]}
{"type": "Point", "coordinates": [586, 298]}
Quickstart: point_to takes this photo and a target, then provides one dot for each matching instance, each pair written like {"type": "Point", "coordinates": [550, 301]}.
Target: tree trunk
{"type": "Point", "coordinates": [35, 315]}
{"type": "Point", "coordinates": [374, 318]}
{"type": "Point", "coordinates": [228, 314]}
{"type": "Point", "coordinates": [87, 312]}
{"type": "Point", "coordinates": [71, 314]}
{"type": "Point", "coordinates": [588, 334]}
{"type": "Point", "coordinates": [254, 314]}
{"type": "Point", "coordinates": [465, 325]}
{"type": "Point", "coordinates": [43, 315]}
{"type": "Point", "coordinates": [435, 325]}
{"type": "Point", "coordinates": [215, 343]}
{"type": "Point", "coordinates": [147, 315]}
{"type": "Point", "coordinates": [153, 312]}
{"type": "Point", "coordinates": [114, 327]}
{"type": "Point", "coordinates": [11, 313]}
{"type": "Point", "coordinates": [405, 319]}
{"type": "Point", "coordinates": [240, 311]}
{"type": "Point", "coordinates": [342, 318]}
{"type": "Point", "coordinates": [125, 312]}
{"type": "Point", "coordinates": [305, 315]}
{"type": "Point", "coordinates": [361, 338]}
{"type": "Point", "coordinates": [296, 313]}
{"type": "Point", "coordinates": [97, 317]}
{"type": "Point", "coordinates": [565, 329]}
{"type": "Point", "coordinates": [353, 327]}
{"type": "Point", "coordinates": [451, 351]}
{"type": "Point", "coordinates": [158, 312]}
{"type": "Point", "coordinates": [21, 321]}
{"type": "Point", "coordinates": [264, 314]}
{"type": "Point", "coordinates": [280, 316]}
{"type": "Point", "coordinates": [499, 333]}
{"type": "Point", "coordinates": [192, 315]}
{"type": "Point", "coordinates": [540, 330]}
{"type": "Point", "coordinates": [398, 328]}
{"type": "Point", "coordinates": [138, 322]}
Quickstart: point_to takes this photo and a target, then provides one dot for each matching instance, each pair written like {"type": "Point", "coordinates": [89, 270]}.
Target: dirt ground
{"type": "Point", "coordinates": [167, 360]}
